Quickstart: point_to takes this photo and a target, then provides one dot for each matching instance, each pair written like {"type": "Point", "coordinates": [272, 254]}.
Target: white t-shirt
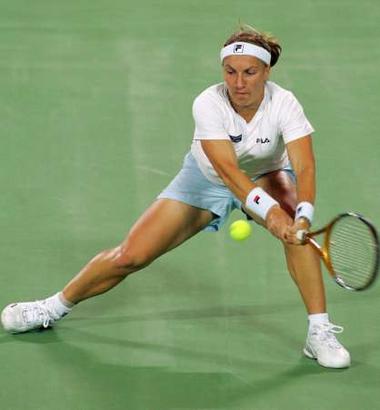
{"type": "Point", "coordinates": [259, 144]}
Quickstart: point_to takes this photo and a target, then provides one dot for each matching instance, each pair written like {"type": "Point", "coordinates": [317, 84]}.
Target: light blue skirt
{"type": "Point", "coordinates": [193, 188]}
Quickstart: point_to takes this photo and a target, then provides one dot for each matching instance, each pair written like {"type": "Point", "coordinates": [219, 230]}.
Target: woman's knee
{"type": "Point", "coordinates": [129, 259]}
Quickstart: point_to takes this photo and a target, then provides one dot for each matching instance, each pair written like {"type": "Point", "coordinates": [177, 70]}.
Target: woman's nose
{"type": "Point", "coordinates": [239, 81]}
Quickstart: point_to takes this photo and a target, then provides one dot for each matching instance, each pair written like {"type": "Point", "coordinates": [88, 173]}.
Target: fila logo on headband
{"type": "Point", "coordinates": [239, 49]}
{"type": "Point", "coordinates": [246, 49]}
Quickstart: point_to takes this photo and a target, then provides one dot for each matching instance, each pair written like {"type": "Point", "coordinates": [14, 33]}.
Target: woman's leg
{"type": "Point", "coordinates": [165, 225]}
{"type": "Point", "coordinates": [305, 268]}
{"type": "Point", "coordinates": [303, 263]}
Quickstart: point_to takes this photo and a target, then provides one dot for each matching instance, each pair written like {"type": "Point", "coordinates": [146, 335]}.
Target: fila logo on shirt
{"type": "Point", "coordinates": [262, 141]}
{"type": "Point", "coordinates": [239, 49]}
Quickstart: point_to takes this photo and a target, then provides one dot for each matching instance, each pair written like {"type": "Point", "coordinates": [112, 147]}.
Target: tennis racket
{"type": "Point", "coordinates": [349, 250]}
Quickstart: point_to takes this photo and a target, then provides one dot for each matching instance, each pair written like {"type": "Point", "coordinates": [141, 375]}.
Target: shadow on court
{"type": "Point", "coordinates": [114, 386]}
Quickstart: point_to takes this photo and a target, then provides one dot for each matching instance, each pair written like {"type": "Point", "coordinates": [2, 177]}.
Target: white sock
{"type": "Point", "coordinates": [318, 318]}
{"type": "Point", "coordinates": [58, 305]}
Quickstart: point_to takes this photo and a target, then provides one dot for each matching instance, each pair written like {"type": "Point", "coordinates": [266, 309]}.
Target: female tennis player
{"type": "Point", "coordinates": [252, 150]}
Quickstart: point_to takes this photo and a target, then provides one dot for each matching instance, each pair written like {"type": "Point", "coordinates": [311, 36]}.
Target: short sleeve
{"type": "Point", "coordinates": [209, 118]}
{"type": "Point", "coordinates": [293, 121]}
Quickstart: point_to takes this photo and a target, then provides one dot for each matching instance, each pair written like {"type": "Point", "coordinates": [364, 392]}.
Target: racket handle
{"type": "Point", "coordinates": [301, 235]}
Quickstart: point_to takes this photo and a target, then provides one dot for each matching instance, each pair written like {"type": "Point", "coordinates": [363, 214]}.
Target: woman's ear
{"type": "Point", "coordinates": [267, 72]}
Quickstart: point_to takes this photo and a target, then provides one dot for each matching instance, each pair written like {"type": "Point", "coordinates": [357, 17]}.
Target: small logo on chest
{"type": "Point", "coordinates": [262, 141]}
{"type": "Point", "coordinates": [236, 138]}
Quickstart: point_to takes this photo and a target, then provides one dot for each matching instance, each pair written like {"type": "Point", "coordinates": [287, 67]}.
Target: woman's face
{"type": "Point", "coordinates": [245, 78]}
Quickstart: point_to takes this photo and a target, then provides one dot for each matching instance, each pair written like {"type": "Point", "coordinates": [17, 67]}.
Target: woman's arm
{"type": "Point", "coordinates": [301, 157]}
{"type": "Point", "coordinates": [223, 158]}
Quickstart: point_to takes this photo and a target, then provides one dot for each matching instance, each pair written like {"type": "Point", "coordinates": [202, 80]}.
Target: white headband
{"type": "Point", "coordinates": [245, 49]}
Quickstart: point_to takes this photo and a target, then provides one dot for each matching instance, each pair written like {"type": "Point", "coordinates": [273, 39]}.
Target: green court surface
{"type": "Point", "coordinates": [95, 115]}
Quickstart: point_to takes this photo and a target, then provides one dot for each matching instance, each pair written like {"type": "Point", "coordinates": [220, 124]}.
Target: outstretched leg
{"type": "Point", "coordinates": [165, 225]}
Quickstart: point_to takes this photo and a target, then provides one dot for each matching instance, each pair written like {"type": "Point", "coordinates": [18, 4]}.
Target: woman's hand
{"type": "Point", "coordinates": [301, 224]}
{"type": "Point", "coordinates": [278, 222]}
{"type": "Point", "coordinates": [281, 225]}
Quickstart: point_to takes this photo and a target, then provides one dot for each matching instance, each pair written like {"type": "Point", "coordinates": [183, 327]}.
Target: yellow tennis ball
{"type": "Point", "coordinates": [240, 230]}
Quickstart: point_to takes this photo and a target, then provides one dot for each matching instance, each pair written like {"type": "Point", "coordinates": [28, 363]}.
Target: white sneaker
{"type": "Point", "coordinates": [22, 317]}
{"type": "Point", "coordinates": [322, 345]}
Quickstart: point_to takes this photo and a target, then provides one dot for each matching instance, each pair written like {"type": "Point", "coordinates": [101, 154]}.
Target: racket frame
{"type": "Point", "coordinates": [324, 249]}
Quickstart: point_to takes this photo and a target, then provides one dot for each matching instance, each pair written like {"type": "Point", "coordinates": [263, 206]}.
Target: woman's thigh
{"type": "Point", "coordinates": [281, 186]}
{"type": "Point", "coordinates": [164, 225]}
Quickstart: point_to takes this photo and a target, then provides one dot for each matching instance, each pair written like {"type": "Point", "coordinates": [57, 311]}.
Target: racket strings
{"type": "Point", "coordinates": [353, 252]}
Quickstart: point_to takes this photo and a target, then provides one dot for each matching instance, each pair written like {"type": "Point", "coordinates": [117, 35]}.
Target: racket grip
{"type": "Point", "coordinates": [301, 235]}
